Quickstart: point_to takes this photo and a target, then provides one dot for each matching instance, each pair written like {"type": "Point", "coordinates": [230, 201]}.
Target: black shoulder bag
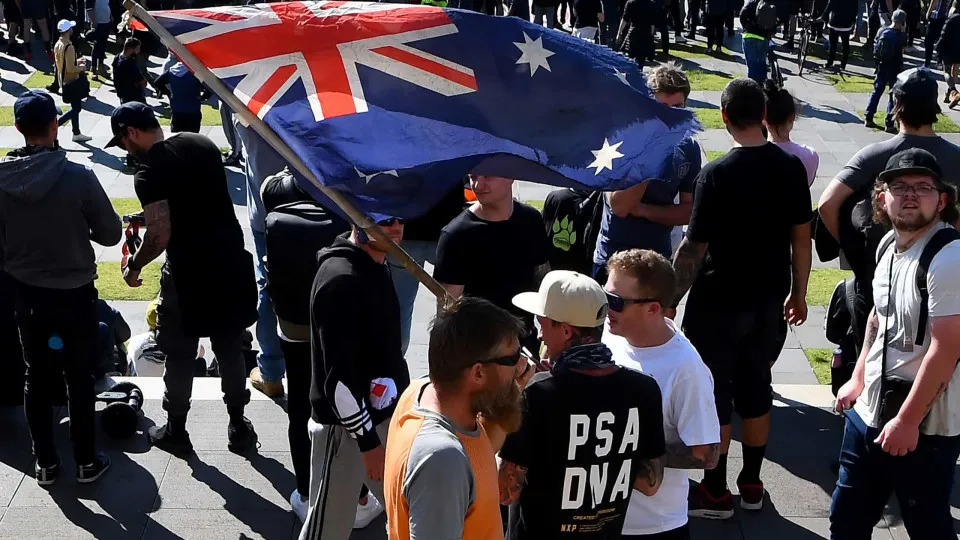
{"type": "Point", "coordinates": [75, 90]}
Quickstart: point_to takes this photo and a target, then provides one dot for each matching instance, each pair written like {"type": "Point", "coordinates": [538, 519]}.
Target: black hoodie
{"type": "Point", "coordinates": [358, 369]}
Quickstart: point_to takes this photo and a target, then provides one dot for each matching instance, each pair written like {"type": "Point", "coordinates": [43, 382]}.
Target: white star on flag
{"type": "Point", "coordinates": [368, 177]}
{"type": "Point", "coordinates": [621, 75]}
{"type": "Point", "coordinates": [605, 156]}
{"type": "Point", "coordinates": [534, 54]}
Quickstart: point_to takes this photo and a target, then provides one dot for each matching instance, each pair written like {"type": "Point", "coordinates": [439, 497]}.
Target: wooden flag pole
{"type": "Point", "coordinates": [359, 218]}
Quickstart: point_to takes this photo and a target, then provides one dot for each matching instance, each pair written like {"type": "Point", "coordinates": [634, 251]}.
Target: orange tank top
{"type": "Point", "coordinates": [482, 520]}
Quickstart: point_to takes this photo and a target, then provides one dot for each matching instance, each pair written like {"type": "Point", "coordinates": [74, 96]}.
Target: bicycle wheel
{"type": "Point", "coordinates": [802, 51]}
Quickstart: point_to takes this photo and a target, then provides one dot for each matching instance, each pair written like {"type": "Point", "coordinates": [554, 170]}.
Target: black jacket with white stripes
{"type": "Point", "coordinates": [358, 369]}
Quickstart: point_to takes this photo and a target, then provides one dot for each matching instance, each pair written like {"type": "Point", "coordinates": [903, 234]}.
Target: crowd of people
{"type": "Point", "coordinates": [562, 397]}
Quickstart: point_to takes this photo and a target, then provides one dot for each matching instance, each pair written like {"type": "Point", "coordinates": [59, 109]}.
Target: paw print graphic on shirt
{"type": "Point", "coordinates": [564, 235]}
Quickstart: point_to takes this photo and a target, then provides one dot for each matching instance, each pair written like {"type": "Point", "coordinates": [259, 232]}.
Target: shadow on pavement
{"type": "Point", "coordinates": [829, 113]}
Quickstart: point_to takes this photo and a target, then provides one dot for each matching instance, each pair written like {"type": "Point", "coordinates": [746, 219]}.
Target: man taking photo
{"type": "Point", "coordinates": [591, 431]}
{"type": "Point", "coordinates": [902, 432]}
{"type": "Point", "coordinates": [207, 287]}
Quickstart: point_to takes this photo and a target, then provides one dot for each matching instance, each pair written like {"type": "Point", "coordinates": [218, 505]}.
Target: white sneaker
{"type": "Point", "coordinates": [81, 138]}
{"type": "Point", "coordinates": [366, 513]}
{"type": "Point", "coordinates": [299, 506]}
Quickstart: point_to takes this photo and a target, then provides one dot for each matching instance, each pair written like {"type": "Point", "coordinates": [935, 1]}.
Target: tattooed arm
{"type": "Point", "coordinates": [512, 477]}
{"type": "Point", "coordinates": [686, 264]}
{"type": "Point", "coordinates": [851, 390]}
{"type": "Point", "coordinates": [681, 456]}
{"type": "Point", "coordinates": [156, 238]}
{"type": "Point", "coordinates": [649, 476]}
{"type": "Point", "coordinates": [936, 370]}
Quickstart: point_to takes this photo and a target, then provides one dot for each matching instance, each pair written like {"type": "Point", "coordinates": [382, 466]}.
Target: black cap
{"type": "Point", "coordinates": [131, 114]}
{"type": "Point", "coordinates": [914, 161]}
{"type": "Point", "coordinates": [34, 108]}
{"type": "Point", "coordinates": [916, 85]}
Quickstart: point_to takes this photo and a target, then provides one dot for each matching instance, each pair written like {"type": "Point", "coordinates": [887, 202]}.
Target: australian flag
{"type": "Point", "coordinates": [395, 103]}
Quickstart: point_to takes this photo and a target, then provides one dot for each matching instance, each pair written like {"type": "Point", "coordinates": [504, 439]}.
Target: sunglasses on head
{"type": "Point", "coordinates": [509, 361]}
{"type": "Point", "coordinates": [389, 221]}
{"type": "Point", "coordinates": [619, 303]}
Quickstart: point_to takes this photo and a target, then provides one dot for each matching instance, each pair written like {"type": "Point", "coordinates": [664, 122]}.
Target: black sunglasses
{"type": "Point", "coordinates": [389, 222]}
{"type": "Point", "coordinates": [508, 361]}
{"type": "Point", "coordinates": [619, 303]}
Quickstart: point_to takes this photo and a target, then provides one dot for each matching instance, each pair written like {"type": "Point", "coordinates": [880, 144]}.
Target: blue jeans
{"type": "Point", "coordinates": [230, 130]}
{"type": "Point", "coordinates": [407, 286]}
{"type": "Point", "coordinates": [755, 52]}
{"type": "Point", "coordinates": [72, 116]}
{"type": "Point", "coordinates": [270, 360]}
{"type": "Point", "coordinates": [881, 82]}
{"type": "Point", "coordinates": [922, 481]}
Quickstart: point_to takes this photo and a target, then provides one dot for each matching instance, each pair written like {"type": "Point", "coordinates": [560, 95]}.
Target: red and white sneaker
{"type": "Point", "coordinates": [751, 496]}
{"type": "Point", "coordinates": [706, 506]}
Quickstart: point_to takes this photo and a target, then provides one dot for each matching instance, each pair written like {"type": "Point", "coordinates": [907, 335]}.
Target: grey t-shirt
{"type": "Point", "coordinates": [862, 169]}
{"type": "Point", "coordinates": [439, 484]}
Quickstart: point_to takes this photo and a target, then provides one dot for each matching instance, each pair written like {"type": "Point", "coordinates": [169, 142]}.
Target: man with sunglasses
{"type": "Point", "coordinates": [591, 431]}
{"type": "Point", "coordinates": [641, 283]}
{"type": "Point", "coordinates": [207, 284]}
{"type": "Point", "coordinates": [902, 431]}
{"type": "Point", "coordinates": [440, 479]}
{"type": "Point", "coordinates": [358, 374]}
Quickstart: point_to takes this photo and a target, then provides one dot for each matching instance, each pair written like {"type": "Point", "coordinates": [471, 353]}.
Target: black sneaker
{"type": "Point", "coordinates": [869, 123]}
{"type": "Point", "coordinates": [47, 474]}
{"type": "Point", "coordinates": [177, 444]}
{"type": "Point", "coordinates": [891, 129]}
{"type": "Point", "coordinates": [91, 472]}
{"type": "Point", "coordinates": [241, 437]}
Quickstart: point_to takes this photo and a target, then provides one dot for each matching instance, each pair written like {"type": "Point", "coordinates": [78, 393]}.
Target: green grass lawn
{"type": "Point", "coordinates": [5, 151]}
{"type": "Point", "coordinates": [536, 204]}
{"type": "Point", "coordinates": [112, 287]}
{"type": "Point", "coordinates": [821, 284]}
{"type": "Point", "coordinates": [702, 80]}
{"type": "Point", "coordinates": [851, 83]}
{"type": "Point", "coordinates": [709, 118]}
{"type": "Point", "coordinates": [126, 206]}
{"type": "Point", "coordinates": [944, 123]}
{"type": "Point", "coordinates": [820, 362]}
{"type": "Point", "coordinates": [39, 79]}
{"type": "Point", "coordinates": [211, 117]}
{"type": "Point", "coordinates": [6, 116]}
{"type": "Point", "coordinates": [714, 154]}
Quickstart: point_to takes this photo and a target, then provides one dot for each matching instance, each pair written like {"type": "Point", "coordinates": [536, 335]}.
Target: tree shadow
{"type": "Point", "coordinates": [829, 113]}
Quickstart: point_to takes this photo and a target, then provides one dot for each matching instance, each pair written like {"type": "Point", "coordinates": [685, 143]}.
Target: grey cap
{"type": "Point", "coordinates": [899, 16]}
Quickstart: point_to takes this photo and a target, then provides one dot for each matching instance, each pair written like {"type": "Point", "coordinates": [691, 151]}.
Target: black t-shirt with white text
{"type": "Point", "coordinates": [494, 260]}
{"type": "Point", "coordinates": [581, 440]}
{"type": "Point", "coordinates": [745, 206]}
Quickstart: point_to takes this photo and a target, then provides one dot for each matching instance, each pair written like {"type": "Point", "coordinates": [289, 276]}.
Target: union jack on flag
{"type": "Point", "coordinates": [395, 103]}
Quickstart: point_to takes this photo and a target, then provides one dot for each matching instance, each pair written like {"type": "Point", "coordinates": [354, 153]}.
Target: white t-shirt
{"type": "Point", "coordinates": [689, 416]}
{"type": "Point", "coordinates": [904, 357]}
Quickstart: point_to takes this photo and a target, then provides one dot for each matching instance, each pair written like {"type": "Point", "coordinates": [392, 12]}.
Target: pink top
{"type": "Point", "coordinates": [809, 157]}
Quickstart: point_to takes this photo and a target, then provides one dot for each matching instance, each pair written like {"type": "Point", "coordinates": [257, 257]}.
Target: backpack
{"type": "Point", "coordinates": [767, 15]}
{"type": "Point", "coordinates": [940, 239]}
{"type": "Point", "coordinates": [884, 48]}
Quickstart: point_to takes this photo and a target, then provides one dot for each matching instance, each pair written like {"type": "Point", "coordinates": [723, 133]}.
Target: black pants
{"type": "Point", "coordinates": [845, 39]}
{"type": "Point", "coordinates": [297, 356]}
{"type": "Point", "coordinates": [58, 329]}
{"type": "Point", "coordinates": [683, 533]}
{"type": "Point", "coordinates": [673, 11]}
{"type": "Point", "coordinates": [693, 15]}
{"type": "Point", "coordinates": [185, 122]}
{"type": "Point", "coordinates": [714, 30]}
{"type": "Point", "coordinates": [930, 40]}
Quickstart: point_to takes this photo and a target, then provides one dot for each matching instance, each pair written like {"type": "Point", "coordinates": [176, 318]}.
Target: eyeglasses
{"type": "Point", "coordinates": [390, 221]}
{"type": "Point", "coordinates": [619, 303]}
{"type": "Point", "coordinates": [509, 361]}
{"type": "Point", "coordinates": [921, 190]}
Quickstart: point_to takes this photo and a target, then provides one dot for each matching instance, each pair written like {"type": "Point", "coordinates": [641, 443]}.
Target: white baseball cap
{"type": "Point", "coordinates": [567, 297]}
{"type": "Point", "coordinates": [65, 25]}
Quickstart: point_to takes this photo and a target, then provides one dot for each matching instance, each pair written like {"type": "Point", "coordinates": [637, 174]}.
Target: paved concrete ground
{"type": "Point", "coordinates": [219, 495]}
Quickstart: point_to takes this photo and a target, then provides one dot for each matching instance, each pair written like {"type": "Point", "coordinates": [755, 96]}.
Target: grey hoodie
{"type": "Point", "coordinates": [50, 210]}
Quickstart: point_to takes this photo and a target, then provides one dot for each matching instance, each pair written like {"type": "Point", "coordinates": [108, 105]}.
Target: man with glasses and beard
{"type": "Point", "coordinates": [441, 470]}
{"type": "Point", "coordinates": [902, 432]}
{"type": "Point", "coordinates": [358, 373]}
{"type": "Point", "coordinates": [591, 430]}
